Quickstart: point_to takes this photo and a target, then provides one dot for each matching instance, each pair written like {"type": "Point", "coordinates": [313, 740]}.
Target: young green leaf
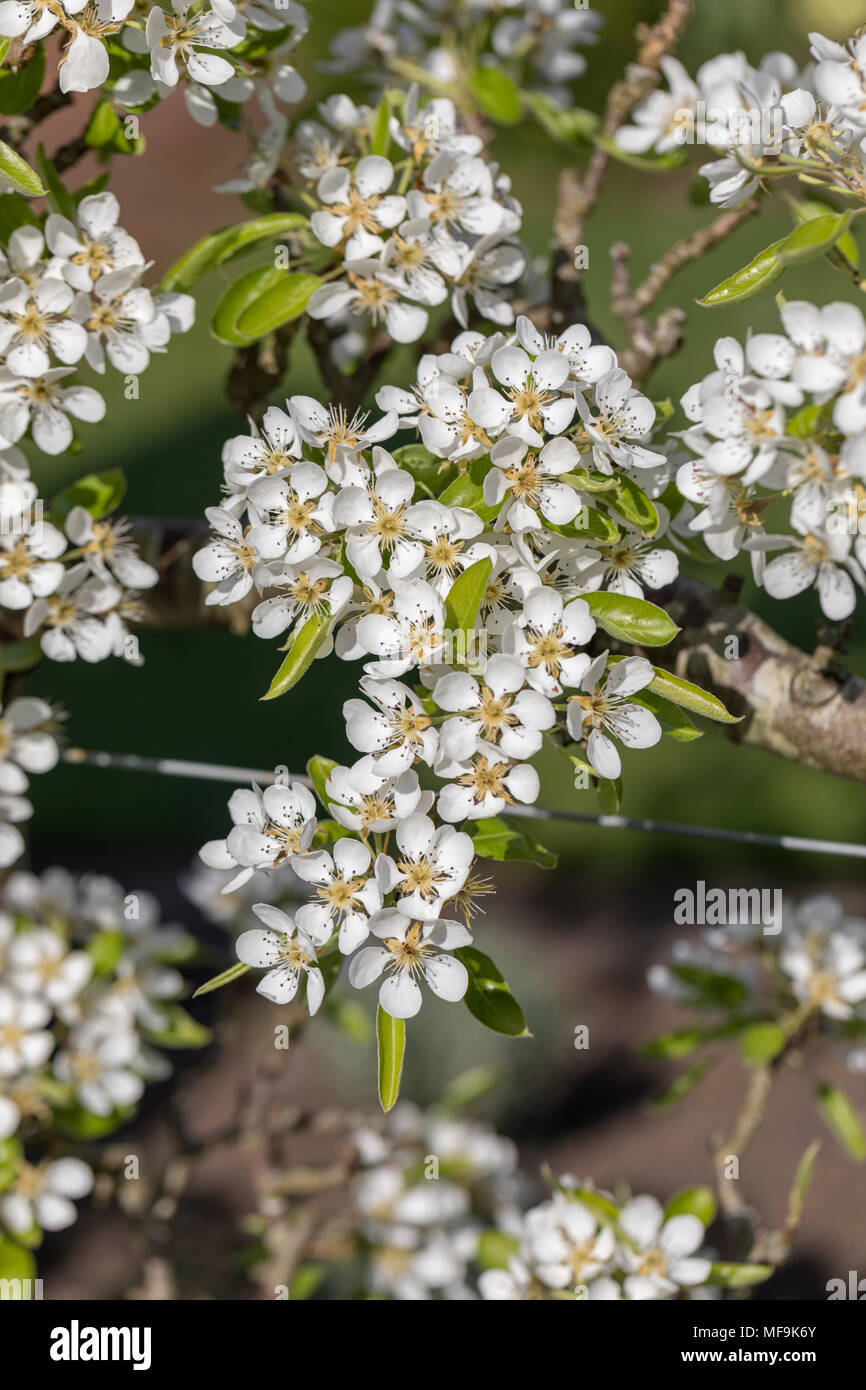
{"type": "Point", "coordinates": [181, 1029]}
{"type": "Point", "coordinates": [691, 697]}
{"type": "Point", "coordinates": [319, 770]}
{"type": "Point", "coordinates": [631, 619]}
{"type": "Point", "coordinates": [746, 283]}
{"type": "Point", "coordinates": [761, 1042]}
{"type": "Point", "coordinates": [465, 595]}
{"type": "Point", "coordinates": [234, 972]}
{"type": "Point", "coordinates": [18, 175]}
{"type": "Point", "coordinates": [693, 1201]}
{"type": "Point", "coordinates": [739, 1276]}
{"type": "Point", "coordinates": [488, 997]}
{"type": "Point", "coordinates": [217, 248]}
{"type": "Point", "coordinates": [842, 1120]}
{"type": "Point", "coordinates": [682, 1085]}
{"type": "Point", "coordinates": [391, 1043]}
{"type": "Point", "coordinates": [98, 493]}
{"type": "Point", "coordinates": [281, 302]}
{"type": "Point", "coordinates": [237, 298]}
{"type": "Point", "coordinates": [499, 839]}
{"type": "Point", "coordinates": [19, 90]}
{"type": "Point", "coordinates": [496, 94]}
{"type": "Point", "coordinates": [301, 655]}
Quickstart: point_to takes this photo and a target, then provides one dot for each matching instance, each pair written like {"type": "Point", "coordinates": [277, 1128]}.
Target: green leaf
{"type": "Point", "coordinates": [218, 247]}
{"type": "Point", "coordinates": [691, 697]}
{"type": "Point", "coordinates": [181, 1030]}
{"type": "Point", "coordinates": [806, 423]}
{"type": "Point", "coordinates": [632, 503]}
{"type": "Point", "coordinates": [97, 493]}
{"type": "Point", "coordinates": [20, 656]}
{"type": "Point", "coordinates": [234, 972]}
{"type": "Point", "coordinates": [464, 598]}
{"type": "Point", "coordinates": [19, 90]}
{"type": "Point", "coordinates": [468, 1088]}
{"type": "Point", "coordinates": [105, 950]}
{"type": "Point", "coordinates": [678, 1043]}
{"type": "Point", "coordinates": [846, 244]}
{"type": "Point", "coordinates": [380, 138]}
{"type": "Point", "coordinates": [391, 1042]}
{"type": "Point", "coordinates": [15, 1263]}
{"type": "Point", "coordinates": [59, 197]}
{"type": "Point", "coordinates": [426, 468]}
{"type": "Point", "coordinates": [495, 1249]}
{"type": "Point", "coordinates": [497, 95]}
{"type": "Point", "coordinates": [105, 132]}
{"type": "Point", "coordinates": [676, 725]}
{"type": "Point", "coordinates": [590, 523]}
{"type": "Point", "coordinates": [488, 997]}
{"type": "Point", "coordinates": [569, 124]}
{"type": "Point", "coordinates": [810, 239]}
{"type": "Point", "coordinates": [693, 1201]}
{"type": "Point", "coordinates": [319, 770]}
{"type": "Point", "coordinates": [609, 792]}
{"type": "Point", "coordinates": [813, 237]}
{"type": "Point", "coordinates": [501, 839]}
{"type": "Point", "coordinates": [842, 1120]}
{"type": "Point", "coordinates": [282, 302]}
{"type": "Point", "coordinates": [306, 1280]}
{"type": "Point", "coordinates": [17, 174]}
{"type": "Point", "coordinates": [651, 163]}
{"type": "Point", "coordinates": [239, 297]}
{"type": "Point", "coordinates": [682, 1085]}
{"type": "Point", "coordinates": [465, 492]}
{"type": "Point", "coordinates": [738, 1276]}
{"type": "Point", "coordinates": [303, 650]}
{"type": "Point", "coordinates": [801, 1184]}
{"type": "Point", "coordinates": [631, 619]}
{"type": "Point", "coordinates": [746, 283]}
{"type": "Point", "coordinates": [761, 1042]}
{"type": "Point", "coordinates": [711, 988]}
{"type": "Point", "coordinates": [78, 1123]}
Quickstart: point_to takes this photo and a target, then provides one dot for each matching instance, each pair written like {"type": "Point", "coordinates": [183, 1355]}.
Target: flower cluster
{"type": "Point", "coordinates": [772, 115]}
{"type": "Point", "coordinates": [87, 1002]}
{"type": "Point", "coordinates": [348, 548]}
{"type": "Point", "coordinates": [581, 1244]}
{"type": "Point", "coordinates": [434, 220]}
{"type": "Point", "coordinates": [74, 581]}
{"type": "Point", "coordinates": [439, 1212]}
{"type": "Point", "coordinates": [220, 53]}
{"type": "Point", "coordinates": [808, 970]}
{"type": "Point", "coordinates": [536, 39]}
{"type": "Point", "coordinates": [429, 1186]}
{"type": "Point", "coordinates": [783, 421]}
{"type": "Point", "coordinates": [28, 744]}
{"type": "Point", "coordinates": [71, 292]}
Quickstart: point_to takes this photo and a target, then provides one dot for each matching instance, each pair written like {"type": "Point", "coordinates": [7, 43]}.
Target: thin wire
{"type": "Point", "coordinates": [218, 772]}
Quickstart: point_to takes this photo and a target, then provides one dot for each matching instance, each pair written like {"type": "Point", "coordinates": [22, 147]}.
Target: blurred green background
{"type": "Point", "coordinates": [197, 695]}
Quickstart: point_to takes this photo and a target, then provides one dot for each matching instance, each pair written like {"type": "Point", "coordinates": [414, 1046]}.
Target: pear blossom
{"type": "Point", "coordinates": [44, 1194]}
{"type": "Point", "coordinates": [545, 637]}
{"type": "Point", "coordinates": [661, 1258]}
{"type": "Point", "coordinates": [411, 949]}
{"type": "Point", "coordinates": [347, 894]}
{"type": "Point", "coordinates": [498, 710]}
{"type": "Point", "coordinates": [605, 712]}
{"type": "Point", "coordinates": [397, 733]}
{"type": "Point", "coordinates": [287, 952]}
{"type": "Point", "coordinates": [432, 866]}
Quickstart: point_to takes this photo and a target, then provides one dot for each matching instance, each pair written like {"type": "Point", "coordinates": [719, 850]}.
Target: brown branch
{"type": "Point", "coordinates": [650, 342]}
{"type": "Point", "coordinates": [578, 194]}
{"type": "Point", "coordinates": [808, 709]}
{"type": "Point", "coordinates": [347, 391]}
